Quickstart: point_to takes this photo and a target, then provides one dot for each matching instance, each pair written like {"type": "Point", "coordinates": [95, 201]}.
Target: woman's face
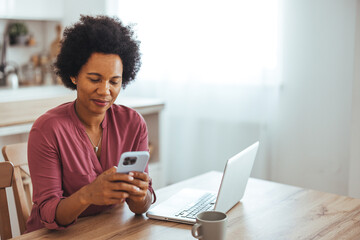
{"type": "Point", "coordinates": [98, 83]}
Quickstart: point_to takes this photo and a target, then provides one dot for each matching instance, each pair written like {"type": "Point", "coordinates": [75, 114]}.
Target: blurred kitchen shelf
{"type": "Point", "coordinates": [21, 46]}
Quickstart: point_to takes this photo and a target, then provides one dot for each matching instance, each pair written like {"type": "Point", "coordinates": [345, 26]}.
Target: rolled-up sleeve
{"type": "Point", "coordinates": [46, 176]}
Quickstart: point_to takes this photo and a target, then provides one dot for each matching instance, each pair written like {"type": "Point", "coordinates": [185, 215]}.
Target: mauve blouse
{"type": "Point", "coordinates": [62, 159]}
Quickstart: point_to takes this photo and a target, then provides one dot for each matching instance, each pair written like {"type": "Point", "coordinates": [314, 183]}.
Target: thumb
{"type": "Point", "coordinates": [110, 171]}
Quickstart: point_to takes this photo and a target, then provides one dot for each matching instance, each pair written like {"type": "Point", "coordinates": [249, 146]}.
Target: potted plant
{"type": "Point", "coordinates": [18, 33]}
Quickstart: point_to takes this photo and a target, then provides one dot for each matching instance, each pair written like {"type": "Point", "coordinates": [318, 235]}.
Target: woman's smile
{"type": "Point", "coordinates": [101, 103]}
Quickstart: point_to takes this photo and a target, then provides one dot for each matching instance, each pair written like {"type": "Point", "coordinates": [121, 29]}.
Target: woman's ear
{"type": "Point", "coordinates": [73, 79]}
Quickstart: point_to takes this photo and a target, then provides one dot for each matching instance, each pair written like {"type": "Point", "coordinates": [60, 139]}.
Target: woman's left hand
{"type": "Point", "coordinates": [139, 201]}
{"type": "Point", "coordinates": [141, 180]}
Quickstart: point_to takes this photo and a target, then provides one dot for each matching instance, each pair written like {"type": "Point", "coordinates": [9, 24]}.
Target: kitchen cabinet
{"type": "Point", "coordinates": [43, 10]}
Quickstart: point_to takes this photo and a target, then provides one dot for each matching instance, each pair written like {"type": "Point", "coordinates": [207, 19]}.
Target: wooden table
{"type": "Point", "coordinates": [268, 211]}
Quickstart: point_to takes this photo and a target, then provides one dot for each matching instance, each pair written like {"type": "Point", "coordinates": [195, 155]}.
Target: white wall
{"type": "Point", "coordinates": [311, 135]}
{"type": "Point", "coordinates": [354, 167]}
{"type": "Point", "coordinates": [73, 9]}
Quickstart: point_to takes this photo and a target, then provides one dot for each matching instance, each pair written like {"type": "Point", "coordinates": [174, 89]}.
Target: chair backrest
{"type": "Point", "coordinates": [6, 176]}
{"type": "Point", "coordinates": [17, 155]}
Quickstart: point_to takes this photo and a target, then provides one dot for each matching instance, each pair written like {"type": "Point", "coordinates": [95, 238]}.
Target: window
{"type": "Point", "coordinates": [232, 42]}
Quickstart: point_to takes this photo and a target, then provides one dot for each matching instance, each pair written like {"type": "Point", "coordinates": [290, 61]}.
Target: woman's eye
{"type": "Point", "coordinates": [114, 82]}
{"type": "Point", "coordinates": [94, 80]}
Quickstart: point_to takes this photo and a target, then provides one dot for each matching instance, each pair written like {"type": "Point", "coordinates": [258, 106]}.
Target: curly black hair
{"type": "Point", "coordinates": [100, 34]}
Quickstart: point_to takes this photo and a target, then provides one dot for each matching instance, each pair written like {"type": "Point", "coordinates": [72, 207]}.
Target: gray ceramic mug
{"type": "Point", "coordinates": [210, 225]}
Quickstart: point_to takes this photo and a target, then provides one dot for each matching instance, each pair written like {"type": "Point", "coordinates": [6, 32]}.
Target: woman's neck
{"type": "Point", "coordinates": [90, 121]}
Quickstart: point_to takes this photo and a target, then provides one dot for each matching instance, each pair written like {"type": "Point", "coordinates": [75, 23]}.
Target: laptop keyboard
{"type": "Point", "coordinates": [205, 203]}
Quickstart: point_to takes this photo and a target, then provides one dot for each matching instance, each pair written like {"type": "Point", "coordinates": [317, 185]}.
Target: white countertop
{"type": "Point", "coordinates": [45, 92]}
{"type": "Point", "coordinates": [24, 105]}
{"type": "Point", "coordinates": [33, 93]}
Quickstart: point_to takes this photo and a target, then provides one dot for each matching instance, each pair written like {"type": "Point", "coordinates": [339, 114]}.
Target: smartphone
{"type": "Point", "coordinates": [133, 162]}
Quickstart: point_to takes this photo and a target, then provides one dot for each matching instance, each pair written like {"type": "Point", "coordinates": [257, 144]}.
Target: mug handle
{"type": "Point", "coordinates": [194, 230]}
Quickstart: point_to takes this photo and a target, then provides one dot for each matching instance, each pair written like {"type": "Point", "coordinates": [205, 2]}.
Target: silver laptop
{"type": "Point", "coordinates": [187, 203]}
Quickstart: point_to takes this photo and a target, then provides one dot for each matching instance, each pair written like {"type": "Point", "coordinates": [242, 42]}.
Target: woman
{"type": "Point", "coordinates": [73, 149]}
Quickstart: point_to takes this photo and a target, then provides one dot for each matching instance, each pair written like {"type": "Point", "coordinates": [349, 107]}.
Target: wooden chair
{"type": "Point", "coordinates": [17, 155]}
{"type": "Point", "coordinates": [6, 176]}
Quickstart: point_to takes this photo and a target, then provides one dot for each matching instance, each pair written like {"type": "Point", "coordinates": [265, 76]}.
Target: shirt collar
{"type": "Point", "coordinates": [76, 119]}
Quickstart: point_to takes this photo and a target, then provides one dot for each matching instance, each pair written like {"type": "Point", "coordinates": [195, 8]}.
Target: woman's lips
{"type": "Point", "coordinates": [100, 103]}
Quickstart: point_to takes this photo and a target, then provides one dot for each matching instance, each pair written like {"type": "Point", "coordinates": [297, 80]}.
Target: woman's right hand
{"type": "Point", "coordinates": [108, 188]}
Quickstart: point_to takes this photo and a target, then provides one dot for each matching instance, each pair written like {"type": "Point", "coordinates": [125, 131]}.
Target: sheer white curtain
{"type": "Point", "coordinates": [216, 66]}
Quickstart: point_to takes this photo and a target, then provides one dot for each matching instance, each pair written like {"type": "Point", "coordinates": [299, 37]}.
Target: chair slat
{"type": "Point", "coordinates": [23, 212]}
{"type": "Point", "coordinates": [17, 154]}
{"type": "Point", "coordinates": [6, 176]}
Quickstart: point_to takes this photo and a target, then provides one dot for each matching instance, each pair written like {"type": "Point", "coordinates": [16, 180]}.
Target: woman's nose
{"type": "Point", "coordinates": [104, 88]}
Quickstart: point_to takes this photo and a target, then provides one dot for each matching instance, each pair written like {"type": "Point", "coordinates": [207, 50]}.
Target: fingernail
{"type": "Point", "coordinates": [137, 189]}
{"type": "Point", "coordinates": [131, 178]}
{"type": "Point", "coordinates": [131, 173]}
